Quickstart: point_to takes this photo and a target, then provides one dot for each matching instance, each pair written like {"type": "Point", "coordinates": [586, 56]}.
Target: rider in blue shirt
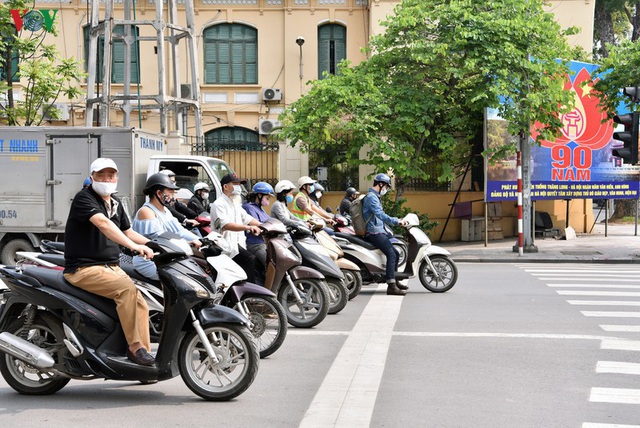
{"type": "Point", "coordinates": [376, 234]}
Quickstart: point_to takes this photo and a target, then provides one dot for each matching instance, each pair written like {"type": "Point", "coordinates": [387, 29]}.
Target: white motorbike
{"type": "Point", "coordinates": [432, 264]}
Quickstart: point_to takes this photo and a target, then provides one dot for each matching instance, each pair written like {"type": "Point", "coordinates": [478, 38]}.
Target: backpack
{"type": "Point", "coordinates": [357, 217]}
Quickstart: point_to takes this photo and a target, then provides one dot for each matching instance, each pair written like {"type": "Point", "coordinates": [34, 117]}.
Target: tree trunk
{"type": "Point", "coordinates": [624, 208]}
{"type": "Point", "coordinates": [603, 24]}
{"type": "Point", "coordinates": [635, 22]}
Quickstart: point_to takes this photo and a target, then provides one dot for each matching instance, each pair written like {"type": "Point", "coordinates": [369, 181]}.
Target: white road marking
{"type": "Point", "coordinates": [611, 314]}
{"type": "Point", "coordinates": [505, 335]}
{"type": "Point", "coordinates": [593, 425]}
{"type": "Point", "coordinates": [590, 279]}
{"type": "Point", "coordinates": [569, 285]}
{"type": "Point", "coordinates": [615, 395]}
{"type": "Point", "coordinates": [604, 302]}
{"type": "Point", "coordinates": [620, 345]}
{"type": "Point", "coordinates": [618, 367]}
{"type": "Point", "coordinates": [599, 293]}
{"type": "Point", "coordinates": [620, 328]}
{"type": "Point", "coordinates": [348, 393]}
{"type": "Point", "coordinates": [599, 275]}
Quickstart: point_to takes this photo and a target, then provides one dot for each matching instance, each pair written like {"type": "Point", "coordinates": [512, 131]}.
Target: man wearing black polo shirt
{"type": "Point", "coordinates": [97, 224]}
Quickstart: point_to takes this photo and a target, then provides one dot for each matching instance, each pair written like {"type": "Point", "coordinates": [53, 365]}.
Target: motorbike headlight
{"type": "Point", "coordinates": [199, 289]}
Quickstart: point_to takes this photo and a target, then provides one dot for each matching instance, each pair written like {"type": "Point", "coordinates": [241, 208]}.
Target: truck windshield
{"type": "Point", "coordinates": [220, 168]}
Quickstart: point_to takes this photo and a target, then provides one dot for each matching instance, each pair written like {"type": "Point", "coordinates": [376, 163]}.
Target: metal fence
{"type": "Point", "coordinates": [253, 160]}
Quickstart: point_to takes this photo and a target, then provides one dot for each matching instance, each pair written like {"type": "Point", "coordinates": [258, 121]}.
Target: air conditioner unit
{"type": "Point", "coordinates": [61, 115]}
{"type": "Point", "coordinates": [271, 94]}
{"type": "Point", "coordinates": [267, 126]}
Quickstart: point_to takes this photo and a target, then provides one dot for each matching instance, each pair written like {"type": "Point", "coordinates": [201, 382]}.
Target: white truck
{"type": "Point", "coordinates": [42, 168]}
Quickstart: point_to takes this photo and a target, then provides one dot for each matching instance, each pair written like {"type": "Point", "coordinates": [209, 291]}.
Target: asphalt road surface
{"type": "Point", "coordinates": [530, 345]}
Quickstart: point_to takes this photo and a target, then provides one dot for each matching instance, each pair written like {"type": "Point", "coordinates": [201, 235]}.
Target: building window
{"type": "Point", "coordinates": [15, 57]}
{"type": "Point", "coordinates": [231, 54]}
{"type": "Point", "coordinates": [117, 55]}
{"type": "Point", "coordinates": [332, 48]}
{"type": "Point", "coordinates": [232, 139]}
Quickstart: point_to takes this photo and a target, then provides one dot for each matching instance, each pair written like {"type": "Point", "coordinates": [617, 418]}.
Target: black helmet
{"type": "Point", "coordinates": [158, 181]}
{"type": "Point", "coordinates": [351, 191]}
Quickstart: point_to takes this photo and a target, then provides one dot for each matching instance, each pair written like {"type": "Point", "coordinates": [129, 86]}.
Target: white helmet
{"type": "Point", "coordinates": [305, 179]}
{"type": "Point", "coordinates": [284, 185]}
{"type": "Point", "coordinates": [168, 172]}
{"type": "Point", "coordinates": [200, 186]}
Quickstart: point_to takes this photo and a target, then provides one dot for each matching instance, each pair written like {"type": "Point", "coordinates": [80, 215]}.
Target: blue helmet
{"type": "Point", "coordinates": [382, 178]}
{"type": "Point", "coordinates": [86, 182]}
{"type": "Point", "coordinates": [318, 186]}
{"type": "Point", "coordinates": [262, 188]}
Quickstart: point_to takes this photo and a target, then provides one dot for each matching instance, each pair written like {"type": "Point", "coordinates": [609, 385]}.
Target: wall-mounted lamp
{"type": "Point", "coordinates": [300, 42]}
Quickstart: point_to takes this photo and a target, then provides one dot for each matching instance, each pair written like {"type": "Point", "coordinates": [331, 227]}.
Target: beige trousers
{"type": "Point", "coordinates": [113, 283]}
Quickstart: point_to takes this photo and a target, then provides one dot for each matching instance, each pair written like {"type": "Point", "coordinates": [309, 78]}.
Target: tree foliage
{"type": "Point", "coordinates": [421, 96]}
{"type": "Point", "coordinates": [44, 74]}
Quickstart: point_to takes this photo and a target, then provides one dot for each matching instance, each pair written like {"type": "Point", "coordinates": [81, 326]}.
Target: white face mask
{"type": "Point", "coordinates": [104, 189]}
{"type": "Point", "coordinates": [237, 190]}
{"type": "Point", "coordinates": [318, 195]}
{"type": "Point", "coordinates": [384, 191]}
{"type": "Point", "coordinates": [205, 195]}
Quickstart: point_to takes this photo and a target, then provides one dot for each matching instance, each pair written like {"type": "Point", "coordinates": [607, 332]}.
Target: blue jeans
{"type": "Point", "coordinates": [381, 240]}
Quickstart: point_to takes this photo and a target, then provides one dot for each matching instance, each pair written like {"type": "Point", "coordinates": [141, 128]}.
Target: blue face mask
{"type": "Point", "coordinates": [312, 188]}
{"type": "Point", "coordinates": [288, 198]}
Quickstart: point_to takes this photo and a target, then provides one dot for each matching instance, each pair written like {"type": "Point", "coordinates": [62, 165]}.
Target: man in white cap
{"type": "Point", "coordinates": [97, 224]}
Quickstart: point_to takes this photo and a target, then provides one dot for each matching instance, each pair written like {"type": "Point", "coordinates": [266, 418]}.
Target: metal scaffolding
{"type": "Point", "coordinates": [176, 97]}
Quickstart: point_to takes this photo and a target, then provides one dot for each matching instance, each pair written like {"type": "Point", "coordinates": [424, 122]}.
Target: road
{"type": "Point", "coordinates": [529, 345]}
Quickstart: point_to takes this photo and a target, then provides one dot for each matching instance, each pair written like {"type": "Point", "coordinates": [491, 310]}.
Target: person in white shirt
{"type": "Point", "coordinates": [228, 217]}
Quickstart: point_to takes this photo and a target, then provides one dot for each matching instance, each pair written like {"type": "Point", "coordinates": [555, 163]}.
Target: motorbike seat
{"type": "Point", "coordinates": [356, 240]}
{"type": "Point", "coordinates": [54, 279]}
{"type": "Point", "coordinates": [133, 273]}
{"type": "Point", "coordinates": [56, 259]}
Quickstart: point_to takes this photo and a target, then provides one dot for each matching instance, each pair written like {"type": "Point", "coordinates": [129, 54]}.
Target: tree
{"type": "Point", "coordinates": [44, 73]}
{"type": "Point", "coordinates": [617, 29]}
{"type": "Point", "coordinates": [421, 96]}
{"type": "Point", "coordinates": [615, 20]}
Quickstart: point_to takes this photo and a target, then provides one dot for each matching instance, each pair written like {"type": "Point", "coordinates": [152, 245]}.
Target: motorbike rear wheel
{"type": "Point", "coordinates": [315, 302]}
{"type": "Point", "coordinates": [443, 278]}
{"type": "Point", "coordinates": [45, 332]}
{"type": "Point", "coordinates": [338, 297]}
{"type": "Point", "coordinates": [269, 323]}
{"type": "Point", "coordinates": [232, 374]}
{"type": "Point", "coordinates": [353, 281]}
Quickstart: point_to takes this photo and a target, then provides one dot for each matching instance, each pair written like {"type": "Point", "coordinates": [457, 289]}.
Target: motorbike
{"type": "Point", "coordinates": [303, 292]}
{"type": "Point", "coordinates": [343, 225]}
{"type": "Point", "coordinates": [267, 320]}
{"type": "Point", "coordinates": [350, 270]}
{"type": "Point", "coordinates": [432, 264]}
{"type": "Point", "coordinates": [52, 332]}
{"type": "Point", "coordinates": [315, 256]}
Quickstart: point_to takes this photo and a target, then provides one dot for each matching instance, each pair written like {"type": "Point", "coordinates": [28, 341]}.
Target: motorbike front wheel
{"type": "Point", "coordinates": [353, 281]}
{"type": "Point", "coordinates": [45, 332]}
{"type": "Point", "coordinates": [339, 295]}
{"type": "Point", "coordinates": [444, 277]}
{"type": "Point", "coordinates": [235, 370]}
{"type": "Point", "coordinates": [268, 323]}
{"type": "Point", "coordinates": [314, 306]}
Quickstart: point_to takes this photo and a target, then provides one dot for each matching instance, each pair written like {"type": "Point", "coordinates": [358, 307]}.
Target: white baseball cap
{"type": "Point", "coordinates": [102, 163]}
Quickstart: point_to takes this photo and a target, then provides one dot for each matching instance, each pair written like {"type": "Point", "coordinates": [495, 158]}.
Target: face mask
{"type": "Point", "coordinates": [165, 200]}
{"type": "Point", "coordinates": [318, 195]}
{"type": "Point", "coordinates": [104, 189]}
{"type": "Point", "coordinates": [205, 195]}
{"type": "Point", "coordinates": [288, 198]}
{"type": "Point", "coordinates": [312, 188]}
{"type": "Point", "coordinates": [384, 191]}
{"type": "Point", "coordinates": [237, 190]}
{"type": "Point", "coordinates": [264, 202]}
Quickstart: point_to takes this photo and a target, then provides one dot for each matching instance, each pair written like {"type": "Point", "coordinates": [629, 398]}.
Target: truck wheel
{"type": "Point", "coordinates": [8, 255]}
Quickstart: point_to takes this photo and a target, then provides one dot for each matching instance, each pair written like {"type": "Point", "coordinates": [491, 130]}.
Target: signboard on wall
{"type": "Point", "coordinates": [577, 165]}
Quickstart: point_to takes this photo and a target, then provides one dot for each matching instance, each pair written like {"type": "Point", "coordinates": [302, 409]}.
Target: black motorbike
{"type": "Point", "coordinates": [52, 332]}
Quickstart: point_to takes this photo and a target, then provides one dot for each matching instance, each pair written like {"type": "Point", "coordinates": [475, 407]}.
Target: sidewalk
{"type": "Point", "coordinates": [619, 246]}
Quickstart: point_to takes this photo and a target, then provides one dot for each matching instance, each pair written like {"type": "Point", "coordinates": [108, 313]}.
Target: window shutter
{"type": "Point", "coordinates": [230, 54]}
